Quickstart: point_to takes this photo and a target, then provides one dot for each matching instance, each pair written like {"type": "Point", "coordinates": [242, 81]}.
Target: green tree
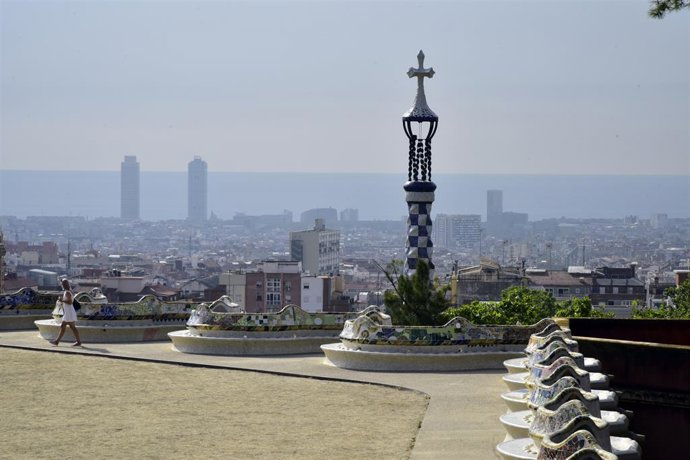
{"type": "Point", "coordinates": [659, 8]}
{"type": "Point", "coordinates": [527, 306]}
{"type": "Point", "coordinates": [522, 305]}
{"type": "Point", "coordinates": [577, 307]}
{"type": "Point", "coordinates": [678, 307]}
{"type": "Point", "coordinates": [680, 296]}
{"type": "Point", "coordinates": [414, 300]}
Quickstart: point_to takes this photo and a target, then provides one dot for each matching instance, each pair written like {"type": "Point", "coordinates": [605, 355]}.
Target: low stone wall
{"type": "Point", "coordinates": [650, 360]}
{"type": "Point", "coordinates": [668, 331]}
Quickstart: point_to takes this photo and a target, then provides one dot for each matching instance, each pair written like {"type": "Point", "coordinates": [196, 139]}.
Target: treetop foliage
{"type": "Point", "coordinates": [414, 300]}
{"type": "Point", "coordinates": [677, 308]}
{"type": "Point", "coordinates": [522, 305]}
{"type": "Point", "coordinates": [659, 8]}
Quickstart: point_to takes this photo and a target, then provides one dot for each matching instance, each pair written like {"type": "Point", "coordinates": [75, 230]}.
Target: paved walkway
{"type": "Point", "coordinates": [461, 421]}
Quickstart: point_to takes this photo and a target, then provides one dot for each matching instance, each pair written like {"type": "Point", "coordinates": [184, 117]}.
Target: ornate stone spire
{"type": "Point", "coordinates": [420, 111]}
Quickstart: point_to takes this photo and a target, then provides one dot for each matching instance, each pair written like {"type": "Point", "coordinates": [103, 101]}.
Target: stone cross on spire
{"type": "Point", "coordinates": [420, 111]}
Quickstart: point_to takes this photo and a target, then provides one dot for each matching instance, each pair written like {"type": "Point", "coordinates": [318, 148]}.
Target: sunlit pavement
{"type": "Point", "coordinates": [461, 421]}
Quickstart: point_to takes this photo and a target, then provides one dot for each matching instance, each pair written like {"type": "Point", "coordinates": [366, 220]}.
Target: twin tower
{"type": "Point", "coordinates": [419, 123]}
{"type": "Point", "coordinates": [197, 189]}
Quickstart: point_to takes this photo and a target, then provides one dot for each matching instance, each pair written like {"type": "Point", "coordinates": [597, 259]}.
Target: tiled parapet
{"type": "Point", "coordinates": [291, 317]}
{"type": "Point", "coordinates": [593, 453]}
{"type": "Point", "coordinates": [589, 400]}
{"type": "Point", "coordinates": [541, 342]}
{"type": "Point", "coordinates": [570, 416]}
{"type": "Point", "coordinates": [539, 372]}
{"type": "Point", "coordinates": [27, 300]}
{"type": "Point", "coordinates": [554, 351]}
{"type": "Point", "coordinates": [565, 370]}
{"type": "Point", "coordinates": [542, 393]}
{"type": "Point", "coordinates": [146, 308]}
{"type": "Point", "coordinates": [456, 332]}
{"type": "Point", "coordinates": [550, 329]}
{"type": "Point", "coordinates": [562, 449]}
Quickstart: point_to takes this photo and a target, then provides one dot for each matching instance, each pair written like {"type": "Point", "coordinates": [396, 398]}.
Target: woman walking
{"type": "Point", "coordinates": [69, 315]}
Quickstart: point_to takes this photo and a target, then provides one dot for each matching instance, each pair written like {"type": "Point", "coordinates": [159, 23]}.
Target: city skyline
{"type": "Point", "coordinates": [522, 89]}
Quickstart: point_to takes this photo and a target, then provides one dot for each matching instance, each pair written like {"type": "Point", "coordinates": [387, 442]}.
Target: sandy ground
{"type": "Point", "coordinates": [58, 405]}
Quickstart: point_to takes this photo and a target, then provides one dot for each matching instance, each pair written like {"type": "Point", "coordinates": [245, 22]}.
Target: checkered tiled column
{"type": "Point", "coordinates": [419, 197]}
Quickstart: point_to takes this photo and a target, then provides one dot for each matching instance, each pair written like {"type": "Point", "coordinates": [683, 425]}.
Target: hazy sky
{"type": "Point", "coordinates": [540, 87]}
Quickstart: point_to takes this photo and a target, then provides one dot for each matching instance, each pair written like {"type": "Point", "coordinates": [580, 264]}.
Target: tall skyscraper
{"type": "Point", "coordinates": [197, 190]}
{"type": "Point", "coordinates": [494, 210]}
{"type": "Point", "coordinates": [129, 188]}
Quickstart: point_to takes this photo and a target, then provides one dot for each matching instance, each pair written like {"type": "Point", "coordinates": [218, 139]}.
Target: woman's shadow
{"type": "Point", "coordinates": [92, 348]}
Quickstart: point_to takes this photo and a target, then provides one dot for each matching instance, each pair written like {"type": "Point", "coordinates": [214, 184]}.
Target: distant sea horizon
{"type": "Point", "coordinates": [377, 196]}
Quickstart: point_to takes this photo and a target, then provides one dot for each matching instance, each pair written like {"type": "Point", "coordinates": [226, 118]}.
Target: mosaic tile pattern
{"type": "Point", "coordinates": [588, 399]}
{"type": "Point", "coordinates": [541, 371]}
{"type": "Point", "coordinates": [583, 439]}
{"type": "Point", "coordinates": [551, 328]}
{"type": "Point", "coordinates": [565, 370]}
{"type": "Point", "coordinates": [27, 299]}
{"type": "Point", "coordinates": [542, 393]}
{"type": "Point", "coordinates": [458, 331]}
{"type": "Point", "coordinates": [550, 354]}
{"type": "Point", "coordinates": [148, 307]}
{"type": "Point", "coordinates": [540, 342]}
{"type": "Point", "coordinates": [571, 416]}
{"type": "Point", "coordinates": [291, 317]}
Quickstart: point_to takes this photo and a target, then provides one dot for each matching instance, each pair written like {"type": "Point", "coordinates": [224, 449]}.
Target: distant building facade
{"type": "Point", "coordinates": [274, 285]}
{"type": "Point", "coordinates": [34, 254]}
{"type": "Point", "coordinates": [349, 215]}
{"type": "Point", "coordinates": [328, 215]}
{"type": "Point", "coordinates": [318, 249]}
{"type": "Point", "coordinates": [323, 293]}
{"type": "Point", "coordinates": [483, 282]}
{"type": "Point", "coordinates": [617, 289]}
{"type": "Point", "coordinates": [129, 188]}
{"type": "Point", "coordinates": [457, 230]}
{"type": "Point", "coordinates": [197, 190]}
{"type": "Point", "coordinates": [494, 210]}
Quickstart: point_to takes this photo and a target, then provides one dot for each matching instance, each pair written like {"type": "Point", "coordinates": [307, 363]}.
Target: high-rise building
{"type": "Point", "coordinates": [494, 210]}
{"type": "Point", "coordinates": [197, 190]}
{"type": "Point", "coordinates": [461, 230]}
{"type": "Point", "coordinates": [349, 215]}
{"type": "Point", "coordinates": [329, 215]}
{"type": "Point", "coordinates": [129, 188]}
{"type": "Point", "coordinates": [317, 249]}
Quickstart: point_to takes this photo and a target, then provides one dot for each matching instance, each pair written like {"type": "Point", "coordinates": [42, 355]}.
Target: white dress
{"type": "Point", "coordinates": [69, 314]}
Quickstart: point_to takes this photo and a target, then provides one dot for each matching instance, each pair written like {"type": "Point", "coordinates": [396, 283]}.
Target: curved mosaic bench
{"type": "Point", "coordinates": [562, 419]}
{"type": "Point", "coordinates": [579, 444]}
{"type": "Point", "coordinates": [457, 345]}
{"type": "Point", "coordinates": [518, 365]}
{"type": "Point", "coordinates": [584, 378]}
{"type": "Point", "coordinates": [563, 445]}
{"type": "Point", "coordinates": [289, 331]}
{"type": "Point", "coordinates": [526, 423]}
{"type": "Point", "coordinates": [147, 319]}
{"type": "Point", "coordinates": [19, 310]}
{"type": "Point", "coordinates": [538, 343]}
{"type": "Point", "coordinates": [553, 350]}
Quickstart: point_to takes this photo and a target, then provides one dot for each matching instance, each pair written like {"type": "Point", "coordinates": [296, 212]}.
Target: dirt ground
{"type": "Point", "coordinates": [59, 405]}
